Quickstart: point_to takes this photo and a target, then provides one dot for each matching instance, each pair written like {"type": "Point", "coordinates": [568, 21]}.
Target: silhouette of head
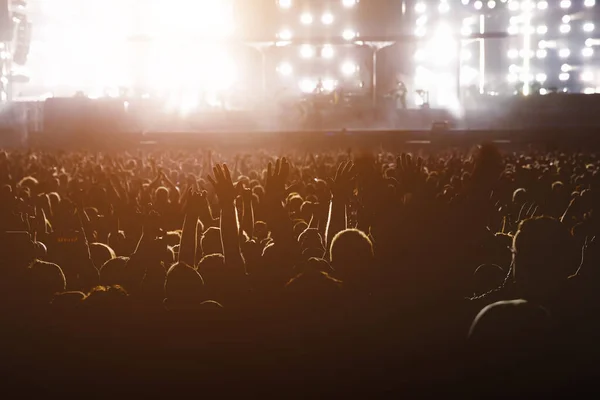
{"type": "Point", "coordinates": [101, 253]}
{"type": "Point", "coordinates": [351, 252]}
{"type": "Point", "coordinates": [45, 280]}
{"type": "Point", "coordinates": [113, 272]}
{"type": "Point", "coordinates": [184, 287]}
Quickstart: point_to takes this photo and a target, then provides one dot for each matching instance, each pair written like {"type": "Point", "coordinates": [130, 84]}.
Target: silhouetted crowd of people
{"type": "Point", "coordinates": [471, 271]}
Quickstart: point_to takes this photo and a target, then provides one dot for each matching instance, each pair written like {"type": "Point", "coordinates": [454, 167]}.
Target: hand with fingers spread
{"type": "Point", "coordinates": [342, 185]}
{"type": "Point", "coordinates": [193, 205]}
{"type": "Point", "coordinates": [223, 184]}
{"type": "Point", "coordinates": [276, 178]}
{"type": "Point", "coordinates": [410, 172]}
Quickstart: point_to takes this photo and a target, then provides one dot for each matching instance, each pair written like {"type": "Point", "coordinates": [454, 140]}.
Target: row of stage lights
{"type": "Point", "coordinates": [513, 5]}
{"type": "Point", "coordinates": [307, 51]}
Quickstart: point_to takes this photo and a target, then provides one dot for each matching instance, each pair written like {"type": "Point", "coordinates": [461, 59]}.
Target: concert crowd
{"type": "Point", "coordinates": [460, 271]}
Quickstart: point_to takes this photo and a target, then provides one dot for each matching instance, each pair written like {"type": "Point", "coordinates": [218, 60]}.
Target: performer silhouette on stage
{"type": "Point", "coordinates": [401, 92]}
{"type": "Point", "coordinates": [319, 89]}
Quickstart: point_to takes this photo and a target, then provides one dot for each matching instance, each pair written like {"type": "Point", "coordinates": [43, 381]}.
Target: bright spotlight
{"type": "Point", "coordinates": [307, 85]}
{"type": "Point", "coordinates": [285, 69]}
{"type": "Point", "coordinates": [542, 29]}
{"type": "Point", "coordinates": [307, 51]}
{"type": "Point", "coordinates": [443, 7]}
{"type": "Point", "coordinates": [348, 34]}
{"type": "Point", "coordinates": [588, 27]}
{"type": "Point", "coordinates": [564, 53]}
{"type": "Point", "coordinates": [566, 19]}
{"type": "Point", "coordinates": [306, 19]}
{"type": "Point", "coordinates": [589, 90]}
{"type": "Point", "coordinates": [542, 5]}
{"type": "Point", "coordinates": [327, 51]}
{"type": "Point", "coordinates": [587, 76]}
{"type": "Point", "coordinates": [327, 18]}
{"type": "Point", "coordinates": [564, 76]}
{"type": "Point", "coordinates": [285, 3]}
{"type": "Point", "coordinates": [565, 68]}
{"type": "Point", "coordinates": [478, 5]}
{"type": "Point", "coordinates": [349, 3]}
{"type": "Point", "coordinates": [565, 4]}
{"type": "Point", "coordinates": [491, 4]}
{"type": "Point", "coordinates": [589, 3]}
{"type": "Point", "coordinates": [541, 53]}
{"type": "Point", "coordinates": [329, 84]}
{"type": "Point", "coordinates": [420, 7]}
{"type": "Point", "coordinates": [348, 68]}
{"type": "Point", "coordinates": [285, 34]}
{"type": "Point", "coordinates": [540, 78]}
{"type": "Point", "coordinates": [565, 28]}
{"type": "Point", "coordinates": [587, 52]}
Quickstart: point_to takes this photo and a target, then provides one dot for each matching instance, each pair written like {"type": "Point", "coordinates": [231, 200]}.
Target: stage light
{"type": "Point", "coordinates": [587, 76]}
{"type": "Point", "coordinates": [589, 90]}
{"type": "Point", "coordinates": [327, 18]}
{"type": "Point", "coordinates": [491, 4]}
{"type": "Point", "coordinates": [589, 3]}
{"type": "Point", "coordinates": [420, 7]}
{"type": "Point", "coordinates": [566, 19]}
{"type": "Point", "coordinates": [541, 53]}
{"type": "Point", "coordinates": [285, 69]}
{"type": "Point", "coordinates": [513, 68]}
{"type": "Point", "coordinates": [349, 3]}
{"type": "Point", "coordinates": [307, 51]}
{"type": "Point", "coordinates": [542, 5]}
{"type": "Point", "coordinates": [565, 28]}
{"type": "Point", "coordinates": [307, 85]}
{"type": "Point", "coordinates": [588, 27]}
{"type": "Point", "coordinates": [542, 29]}
{"type": "Point", "coordinates": [348, 68]}
{"type": "Point", "coordinates": [348, 34]}
{"type": "Point", "coordinates": [565, 4]}
{"type": "Point", "coordinates": [543, 91]}
{"type": "Point", "coordinates": [306, 19]}
{"type": "Point", "coordinates": [587, 52]}
{"type": "Point", "coordinates": [329, 84]}
{"type": "Point", "coordinates": [327, 51]}
{"type": "Point", "coordinates": [527, 5]}
{"type": "Point", "coordinates": [564, 53]}
{"type": "Point", "coordinates": [465, 2]}
{"type": "Point", "coordinates": [541, 77]}
{"type": "Point", "coordinates": [443, 7]}
{"type": "Point", "coordinates": [513, 53]}
{"type": "Point", "coordinates": [565, 68]}
{"type": "Point", "coordinates": [285, 34]}
{"type": "Point", "coordinates": [478, 5]}
{"type": "Point", "coordinates": [285, 3]}
{"type": "Point", "coordinates": [564, 76]}
{"type": "Point", "coordinates": [513, 5]}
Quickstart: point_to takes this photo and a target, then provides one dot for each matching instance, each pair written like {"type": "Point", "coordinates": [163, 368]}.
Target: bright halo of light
{"type": "Point", "coordinates": [491, 4]}
{"type": "Point", "coordinates": [307, 51]}
{"type": "Point", "coordinates": [589, 3]}
{"type": "Point", "coordinates": [285, 34]}
{"type": "Point", "coordinates": [564, 76]}
{"type": "Point", "coordinates": [348, 68]}
{"type": "Point", "coordinates": [542, 5]}
{"type": "Point", "coordinates": [565, 4]}
{"type": "Point", "coordinates": [564, 53]}
{"type": "Point", "coordinates": [541, 77]}
{"type": "Point", "coordinates": [587, 52]}
{"type": "Point", "coordinates": [349, 3]}
{"type": "Point", "coordinates": [542, 29]}
{"type": "Point", "coordinates": [420, 7]}
{"type": "Point", "coordinates": [306, 19]}
{"type": "Point", "coordinates": [588, 27]}
{"type": "Point", "coordinates": [327, 51]}
{"type": "Point", "coordinates": [307, 85]}
{"type": "Point", "coordinates": [444, 7]}
{"type": "Point", "coordinates": [285, 69]}
{"type": "Point", "coordinates": [329, 84]}
{"type": "Point", "coordinates": [348, 34]}
{"type": "Point", "coordinates": [565, 68]}
{"type": "Point", "coordinates": [565, 28]}
{"type": "Point", "coordinates": [587, 76]}
{"type": "Point", "coordinates": [327, 18]}
{"type": "Point", "coordinates": [478, 5]}
{"type": "Point", "coordinates": [285, 3]}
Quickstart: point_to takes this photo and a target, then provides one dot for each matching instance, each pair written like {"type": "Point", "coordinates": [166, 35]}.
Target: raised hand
{"type": "Point", "coordinates": [193, 204]}
{"type": "Point", "coordinates": [276, 178]}
{"type": "Point", "coordinates": [342, 185]}
{"type": "Point", "coordinates": [410, 172]}
{"type": "Point", "coordinates": [223, 184]}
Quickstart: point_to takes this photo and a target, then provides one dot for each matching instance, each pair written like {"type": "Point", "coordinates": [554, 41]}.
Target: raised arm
{"type": "Point", "coordinates": [229, 225]}
{"type": "Point", "coordinates": [187, 245]}
{"type": "Point", "coordinates": [248, 217]}
{"type": "Point", "coordinates": [341, 191]}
